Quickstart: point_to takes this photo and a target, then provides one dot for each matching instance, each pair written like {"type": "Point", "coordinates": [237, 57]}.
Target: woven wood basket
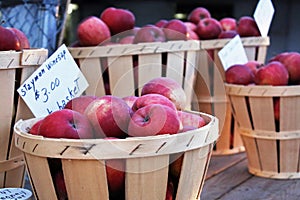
{"type": "Point", "coordinates": [15, 67]}
{"type": "Point", "coordinates": [211, 94]}
{"type": "Point", "coordinates": [147, 162]}
{"type": "Point", "coordinates": [272, 145]}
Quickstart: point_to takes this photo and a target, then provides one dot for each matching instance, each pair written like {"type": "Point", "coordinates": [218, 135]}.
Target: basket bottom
{"type": "Point", "coordinates": [232, 151]}
{"type": "Point", "coordinates": [273, 175]}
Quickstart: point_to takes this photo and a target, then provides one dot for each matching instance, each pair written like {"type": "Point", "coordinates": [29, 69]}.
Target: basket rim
{"type": "Point", "coordinates": [262, 90]}
{"type": "Point", "coordinates": [130, 147]}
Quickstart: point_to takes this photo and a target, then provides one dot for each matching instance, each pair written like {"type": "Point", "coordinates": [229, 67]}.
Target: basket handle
{"type": "Point", "coordinates": [12, 163]}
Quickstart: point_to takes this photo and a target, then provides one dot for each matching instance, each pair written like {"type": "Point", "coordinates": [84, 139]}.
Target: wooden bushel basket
{"type": "Point", "coordinates": [15, 67]}
{"type": "Point", "coordinates": [147, 162]}
{"type": "Point", "coordinates": [272, 146]}
{"type": "Point", "coordinates": [213, 99]}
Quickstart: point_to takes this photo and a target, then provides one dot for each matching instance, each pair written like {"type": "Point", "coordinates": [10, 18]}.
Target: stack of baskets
{"type": "Point", "coordinates": [210, 90]}
{"type": "Point", "coordinates": [15, 67]}
{"type": "Point", "coordinates": [122, 70]}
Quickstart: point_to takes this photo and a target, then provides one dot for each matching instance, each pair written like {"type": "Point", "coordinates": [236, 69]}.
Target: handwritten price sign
{"type": "Point", "coordinates": [53, 84]}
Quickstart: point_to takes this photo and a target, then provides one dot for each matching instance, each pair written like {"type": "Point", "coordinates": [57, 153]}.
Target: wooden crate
{"type": "Point", "coordinates": [147, 162]}
{"type": "Point", "coordinates": [210, 90]}
{"type": "Point", "coordinates": [272, 146]}
{"type": "Point", "coordinates": [15, 67]}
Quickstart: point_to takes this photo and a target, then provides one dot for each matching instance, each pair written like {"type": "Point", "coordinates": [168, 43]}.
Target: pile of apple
{"type": "Point", "coordinates": [117, 26]}
{"type": "Point", "coordinates": [282, 69]}
{"type": "Point", "coordinates": [159, 110]}
{"type": "Point", "coordinates": [13, 39]}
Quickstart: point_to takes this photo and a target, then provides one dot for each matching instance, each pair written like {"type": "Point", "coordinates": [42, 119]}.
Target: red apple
{"type": "Point", "coordinates": [276, 103]}
{"type": "Point", "coordinates": [118, 19]}
{"type": "Point", "coordinates": [148, 99]}
{"type": "Point", "coordinates": [191, 119]}
{"type": "Point", "coordinates": [239, 74]}
{"type": "Point", "coordinates": [115, 172]}
{"type": "Point", "coordinates": [175, 29]}
{"type": "Point", "coordinates": [273, 73]}
{"type": "Point", "coordinates": [190, 26]}
{"type": "Point", "coordinates": [109, 116]}
{"type": "Point", "coordinates": [150, 33]}
{"type": "Point", "coordinates": [247, 27]}
{"type": "Point", "coordinates": [208, 28]}
{"type": "Point", "coordinates": [154, 119]}
{"type": "Point", "coordinates": [228, 23]}
{"type": "Point", "coordinates": [24, 42]}
{"type": "Point", "coordinates": [92, 31]}
{"type": "Point", "coordinates": [8, 40]}
{"type": "Point", "coordinates": [227, 34]}
{"type": "Point", "coordinates": [170, 191]}
{"type": "Point", "coordinates": [60, 186]}
{"type": "Point", "coordinates": [167, 87]}
{"type": "Point", "coordinates": [291, 60]}
{"type": "Point", "coordinates": [66, 123]}
{"type": "Point", "coordinates": [127, 39]}
{"type": "Point", "coordinates": [191, 35]}
{"type": "Point", "coordinates": [130, 100]}
{"type": "Point", "coordinates": [254, 65]}
{"type": "Point", "coordinates": [161, 23]}
{"type": "Point", "coordinates": [197, 14]}
{"type": "Point", "coordinates": [80, 103]}
{"type": "Point", "coordinates": [35, 127]}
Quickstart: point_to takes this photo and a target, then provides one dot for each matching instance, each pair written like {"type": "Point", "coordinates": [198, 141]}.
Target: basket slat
{"type": "Point", "coordinates": [192, 167]}
{"type": "Point", "coordinates": [86, 180]}
{"type": "Point", "coordinates": [290, 107]}
{"type": "Point", "coordinates": [268, 154]}
{"type": "Point", "coordinates": [252, 152]}
{"type": "Point", "coordinates": [147, 177]}
{"type": "Point", "coordinates": [40, 177]}
{"type": "Point", "coordinates": [262, 109]}
{"type": "Point", "coordinates": [175, 66]}
{"type": "Point", "coordinates": [240, 104]}
{"type": "Point", "coordinates": [93, 73]}
{"type": "Point", "coordinates": [150, 66]}
{"type": "Point", "coordinates": [289, 163]}
{"type": "Point", "coordinates": [121, 75]}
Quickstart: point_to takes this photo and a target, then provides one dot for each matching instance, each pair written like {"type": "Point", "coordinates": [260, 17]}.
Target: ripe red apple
{"type": "Point", "coordinates": [150, 33]}
{"type": "Point", "coordinates": [208, 28]}
{"type": "Point", "coordinates": [115, 172]}
{"type": "Point", "coordinates": [190, 25]}
{"type": "Point", "coordinates": [291, 60]}
{"type": "Point", "coordinates": [161, 23]}
{"type": "Point", "coordinates": [24, 42]}
{"type": "Point", "coordinates": [239, 74]}
{"type": "Point", "coordinates": [109, 115]}
{"type": "Point", "coordinates": [59, 184]}
{"type": "Point", "coordinates": [8, 40]}
{"type": "Point", "coordinates": [227, 34]}
{"type": "Point", "coordinates": [167, 87]}
{"type": "Point", "coordinates": [191, 35]}
{"type": "Point", "coordinates": [66, 123]}
{"type": "Point", "coordinates": [191, 119]}
{"type": "Point", "coordinates": [148, 99]}
{"type": "Point", "coordinates": [154, 119]}
{"type": "Point", "coordinates": [254, 65]}
{"type": "Point", "coordinates": [228, 23]}
{"type": "Point", "coordinates": [197, 14]}
{"type": "Point", "coordinates": [80, 103]}
{"type": "Point", "coordinates": [276, 103]}
{"type": "Point", "coordinates": [170, 191]}
{"type": "Point", "coordinates": [92, 31]}
{"type": "Point", "coordinates": [130, 100]}
{"type": "Point", "coordinates": [175, 29]}
{"type": "Point", "coordinates": [247, 27]}
{"type": "Point", "coordinates": [34, 130]}
{"type": "Point", "coordinates": [118, 19]}
{"type": "Point", "coordinates": [127, 39]}
{"type": "Point", "coordinates": [273, 73]}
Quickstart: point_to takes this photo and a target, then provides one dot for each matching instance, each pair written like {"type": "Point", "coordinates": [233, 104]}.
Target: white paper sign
{"type": "Point", "coordinates": [15, 193]}
{"type": "Point", "coordinates": [263, 16]}
{"type": "Point", "coordinates": [233, 53]}
{"type": "Point", "coordinates": [53, 84]}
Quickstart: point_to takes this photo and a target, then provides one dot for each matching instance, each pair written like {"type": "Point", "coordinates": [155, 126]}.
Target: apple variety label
{"type": "Point", "coordinates": [53, 84]}
{"type": "Point", "coordinates": [15, 193]}
{"type": "Point", "coordinates": [233, 53]}
{"type": "Point", "coordinates": [263, 16]}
